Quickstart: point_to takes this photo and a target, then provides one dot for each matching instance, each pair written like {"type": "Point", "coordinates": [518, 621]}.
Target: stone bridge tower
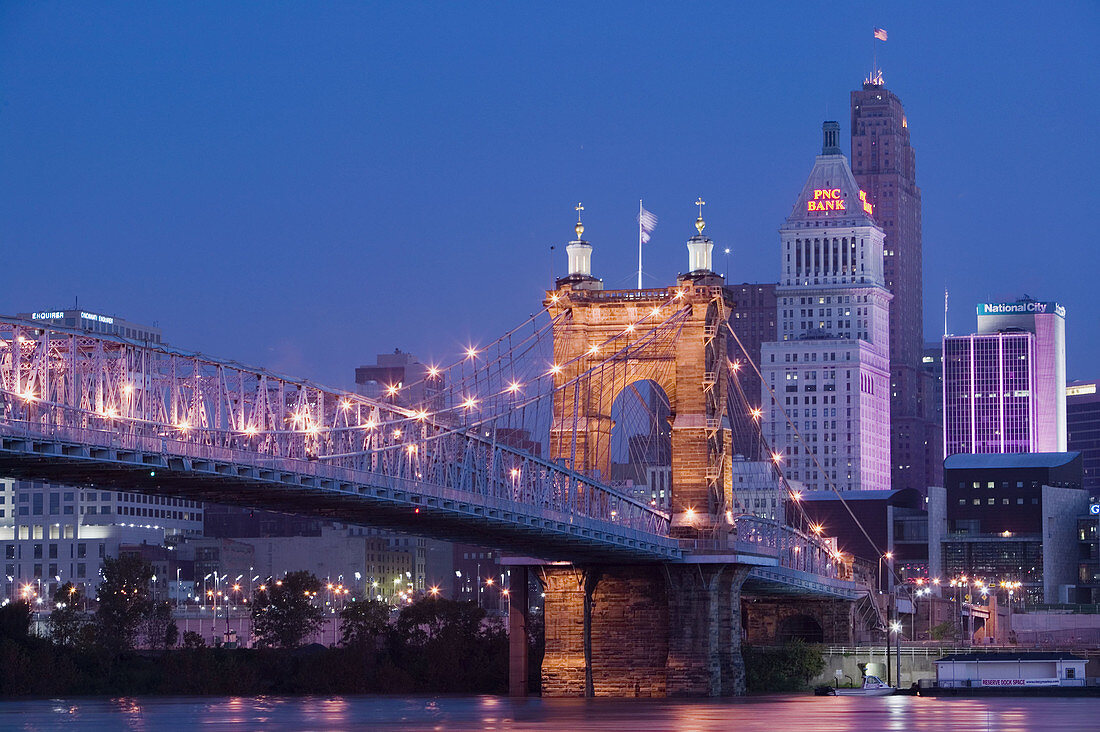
{"type": "Point", "coordinates": [673, 336]}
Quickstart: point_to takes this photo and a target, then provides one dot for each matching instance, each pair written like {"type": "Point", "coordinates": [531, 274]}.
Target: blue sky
{"type": "Point", "coordinates": [303, 185]}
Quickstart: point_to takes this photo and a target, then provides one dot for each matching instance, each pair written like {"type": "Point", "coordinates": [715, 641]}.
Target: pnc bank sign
{"type": "Point", "coordinates": [832, 199]}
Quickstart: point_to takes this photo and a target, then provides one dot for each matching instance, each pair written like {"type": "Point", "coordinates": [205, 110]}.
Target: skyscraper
{"type": "Point", "coordinates": [1004, 388]}
{"type": "Point", "coordinates": [830, 364]}
{"type": "Point", "coordinates": [884, 165]}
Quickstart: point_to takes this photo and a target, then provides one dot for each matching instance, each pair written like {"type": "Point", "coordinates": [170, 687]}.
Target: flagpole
{"type": "Point", "coordinates": [640, 209]}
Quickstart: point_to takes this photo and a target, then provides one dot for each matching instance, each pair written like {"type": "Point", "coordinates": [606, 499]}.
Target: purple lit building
{"type": "Point", "coordinates": [1004, 387]}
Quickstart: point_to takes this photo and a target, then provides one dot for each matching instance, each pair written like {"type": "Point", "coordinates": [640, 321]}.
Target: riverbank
{"type": "Point", "coordinates": [39, 668]}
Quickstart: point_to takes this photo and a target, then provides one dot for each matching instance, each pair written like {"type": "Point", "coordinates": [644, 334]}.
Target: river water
{"type": "Point", "coordinates": [801, 713]}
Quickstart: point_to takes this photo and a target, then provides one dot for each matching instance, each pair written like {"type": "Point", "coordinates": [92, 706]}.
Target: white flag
{"type": "Point", "coordinates": [647, 222]}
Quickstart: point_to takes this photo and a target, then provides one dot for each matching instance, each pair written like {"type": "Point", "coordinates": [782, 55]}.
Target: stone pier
{"type": "Point", "coordinates": [643, 630]}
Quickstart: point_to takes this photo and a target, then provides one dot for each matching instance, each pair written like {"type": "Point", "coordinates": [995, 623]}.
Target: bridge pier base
{"type": "Point", "coordinates": [643, 630]}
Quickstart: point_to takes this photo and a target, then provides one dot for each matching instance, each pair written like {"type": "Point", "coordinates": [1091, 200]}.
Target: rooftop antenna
{"type": "Point", "coordinates": [945, 312]}
{"type": "Point", "coordinates": [876, 73]}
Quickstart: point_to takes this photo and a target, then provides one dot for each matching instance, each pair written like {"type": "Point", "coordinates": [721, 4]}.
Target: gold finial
{"type": "Point", "coordinates": [699, 223]}
{"type": "Point", "coordinates": [579, 228]}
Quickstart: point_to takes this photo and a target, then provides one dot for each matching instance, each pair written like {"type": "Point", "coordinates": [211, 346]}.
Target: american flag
{"type": "Point", "coordinates": [880, 34]}
{"type": "Point", "coordinates": [647, 222]}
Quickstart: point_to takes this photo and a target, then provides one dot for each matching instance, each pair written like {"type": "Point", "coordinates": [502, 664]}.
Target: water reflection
{"type": "Point", "coordinates": [486, 714]}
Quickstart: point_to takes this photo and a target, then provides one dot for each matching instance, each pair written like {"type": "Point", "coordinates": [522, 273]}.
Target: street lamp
{"type": "Point", "coordinates": [888, 556]}
{"type": "Point", "coordinates": [895, 627]}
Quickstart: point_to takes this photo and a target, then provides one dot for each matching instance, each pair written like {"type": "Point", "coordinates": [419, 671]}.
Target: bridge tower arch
{"type": "Point", "coordinates": [675, 336]}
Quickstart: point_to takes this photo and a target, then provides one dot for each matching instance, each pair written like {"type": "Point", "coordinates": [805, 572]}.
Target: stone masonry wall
{"type": "Point", "coordinates": [763, 618]}
{"type": "Point", "coordinates": [672, 630]}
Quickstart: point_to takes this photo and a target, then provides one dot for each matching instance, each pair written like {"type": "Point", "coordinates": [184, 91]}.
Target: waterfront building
{"type": "Point", "coordinates": [1004, 386]}
{"type": "Point", "coordinates": [830, 363]}
{"type": "Point", "coordinates": [1001, 670]}
{"type": "Point", "coordinates": [1012, 518]}
{"type": "Point", "coordinates": [870, 525]}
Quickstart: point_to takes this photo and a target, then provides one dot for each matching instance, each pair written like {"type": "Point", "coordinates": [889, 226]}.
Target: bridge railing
{"type": "Point", "coordinates": [563, 501]}
{"type": "Point", "coordinates": [790, 547]}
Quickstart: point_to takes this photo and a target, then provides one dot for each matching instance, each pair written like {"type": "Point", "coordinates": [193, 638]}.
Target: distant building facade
{"type": "Point", "coordinates": [400, 377]}
{"type": "Point", "coordinates": [53, 534]}
{"type": "Point", "coordinates": [1083, 429]}
{"type": "Point", "coordinates": [756, 488]}
{"type": "Point", "coordinates": [753, 320]}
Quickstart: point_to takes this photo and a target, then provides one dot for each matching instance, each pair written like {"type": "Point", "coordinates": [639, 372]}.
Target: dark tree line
{"type": "Point", "coordinates": [432, 645]}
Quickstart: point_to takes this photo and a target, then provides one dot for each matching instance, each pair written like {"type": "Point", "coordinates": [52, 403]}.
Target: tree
{"type": "Point", "coordinates": [362, 622]}
{"type": "Point", "coordinates": [158, 628]}
{"type": "Point", "coordinates": [193, 640]}
{"type": "Point", "coordinates": [283, 613]}
{"type": "Point", "coordinates": [124, 600]}
{"type": "Point", "coordinates": [787, 668]}
{"type": "Point", "coordinates": [67, 624]}
{"type": "Point", "coordinates": [15, 620]}
{"type": "Point", "coordinates": [943, 630]}
{"type": "Point", "coordinates": [431, 618]}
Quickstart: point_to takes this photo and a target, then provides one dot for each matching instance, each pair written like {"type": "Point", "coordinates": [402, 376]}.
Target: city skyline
{"type": "Point", "coordinates": [257, 175]}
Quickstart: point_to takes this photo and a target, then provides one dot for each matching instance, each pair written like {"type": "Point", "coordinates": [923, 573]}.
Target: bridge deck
{"type": "Point", "coordinates": [310, 488]}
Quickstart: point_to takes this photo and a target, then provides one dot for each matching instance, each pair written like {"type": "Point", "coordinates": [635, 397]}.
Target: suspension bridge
{"type": "Point", "coordinates": [511, 446]}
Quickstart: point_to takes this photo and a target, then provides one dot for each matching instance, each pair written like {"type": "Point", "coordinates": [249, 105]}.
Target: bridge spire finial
{"type": "Point", "coordinates": [579, 228]}
{"type": "Point", "coordinates": [699, 223]}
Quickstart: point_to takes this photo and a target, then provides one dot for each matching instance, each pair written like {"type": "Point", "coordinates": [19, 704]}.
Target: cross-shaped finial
{"type": "Point", "coordinates": [578, 208]}
{"type": "Point", "coordinates": [579, 228]}
{"type": "Point", "coordinates": [700, 203]}
{"type": "Point", "coordinates": [699, 223]}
